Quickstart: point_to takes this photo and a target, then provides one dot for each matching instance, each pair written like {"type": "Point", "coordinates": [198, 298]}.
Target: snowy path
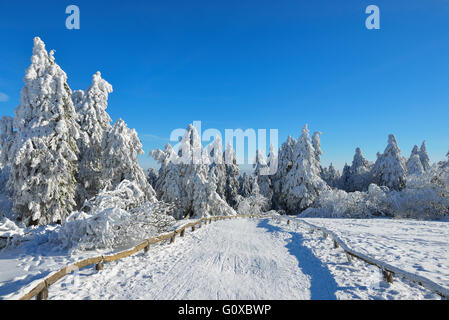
{"type": "Point", "coordinates": [225, 260]}
{"type": "Point", "coordinates": [238, 259]}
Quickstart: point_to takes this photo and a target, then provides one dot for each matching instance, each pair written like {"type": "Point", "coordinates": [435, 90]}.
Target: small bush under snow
{"type": "Point", "coordinates": [116, 218]}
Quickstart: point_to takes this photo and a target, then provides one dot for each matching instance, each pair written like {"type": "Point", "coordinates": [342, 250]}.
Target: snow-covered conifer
{"type": "Point", "coordinates": [414, 165]}
{"type": "Point", "coordinates": [316, 142]}
{"type": "Point", "coordinates": [43, 157]}
{"type": "Point", "coordinates": [6, 139]}
{"type": "Point", "coordinates": [285, 163]}
{"type": "Point", "coordinates": [264, 170]}
{"type": "Point", "coordinates": [152, 177]}
{"type": "Point", "coordinates": [331, 176]}
{"type": "Point", "coordinates": [389, 169]}
{"type": "Point", "coordinates": [232, 175]}
{"type": "Point", "coordinates": [303, 182]}
{"type": "Point", "coordinates": [185, 181]}
{"type": "Point", "coordinates": [345, 179]}
{"type": "Point", "coordinates": [245, 185]}
{"type": "Point", "coordinates": [120, 148]}
{"type": "Point", "coordinates": [213, 156]}
{"type": "Point", "coordinates": [425, 161]}
{"type": "Point", "coordinates": [94, 121]}
{"type": "Point", "coordinates": [360, 173]}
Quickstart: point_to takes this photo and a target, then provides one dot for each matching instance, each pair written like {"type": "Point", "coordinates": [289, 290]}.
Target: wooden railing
{"type": "Point", "coordinates": [387, 270]}
{"type": "Point", "coordinates": [41, 290]}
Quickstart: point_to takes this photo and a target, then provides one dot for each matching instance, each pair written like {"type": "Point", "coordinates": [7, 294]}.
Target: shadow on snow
{"type": "Point", "coordinates": [322, 283]}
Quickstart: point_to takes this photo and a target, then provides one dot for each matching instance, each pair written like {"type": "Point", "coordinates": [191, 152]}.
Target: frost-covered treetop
{"type": "Point", "coordinates": [190, 148]}
{"type": "Point", "coordinates": [92, 109]}
{"type": "Point", "coordinates": [44, 78]}
{"type": "Point", "coordinates": [213, 153]}
{"type": "Point", "coordinates": [92, 116]}
{"type": "Point", "coordinates": [317, 144]}
{"type": "Point", "coordinates": [389, 169]}
{"type": "Point", "coordinates": [425, 161]}
{"type": "Point", "coordinates": [359, 161]}
{"type": "Point", "coordinates": [230, 157]}
{"type": "Point", "coordinates": [415, 150]}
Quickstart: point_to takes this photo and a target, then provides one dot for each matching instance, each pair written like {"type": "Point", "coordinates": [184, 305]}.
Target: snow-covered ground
{"type": "Point", "coordinates": [419, 247]}
{"type": "Point", "coordinates": [235, 259]}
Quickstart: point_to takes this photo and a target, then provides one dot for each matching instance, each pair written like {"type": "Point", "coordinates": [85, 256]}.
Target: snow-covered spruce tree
{"type": "Point", "coordinates": [212, 155]}
{"type": "Point", "coordinates": [245, 182]}
{"type": "Point", "coordinates": [255, 203]}
{"type": "Point", "coordinates": [6, 141]}
{"type": "Point", "coordinates": [232, 175]}
{"type": "Point", "coordinates": [331, 176]}
{"type": "Point", "coordinates": [303, 183]}
{"type": "Point", "coordinates": [414, 165]}
{"type": "Point", "coordinates": [425, 161]}
{"type": "Point", "coordinates": [360, 173]}
{"type": "Point", "coordinates": [345, 179]}
{"type": "Point", "coordinates": [152, 177]}
{"type": "Point", "coordinates": [43, 157]}
{"type": "Point", "coordinates": [94, 121]}
{"type": "Point", "coordinates": [184, 179]}
{"type": "Point", "coordinates": [168, 186]}
{"type": "Point", "coordinates": [316, 142]}
{"type": "Point", "coordinates": [120, 148]}
{"type": "Point", "coordinates": [389, 169]}
{"type": "Point", "coordinates": [285, 163]}
{"type": "Point", "coordinates": [264, 170]}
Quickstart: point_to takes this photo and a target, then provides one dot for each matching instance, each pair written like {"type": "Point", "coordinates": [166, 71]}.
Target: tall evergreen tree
{"type": "Point", "coordinates": [425, 161]}
{"type": "Point", "coordinates": [331, 176]}
{"type": "Point", "coordinates": [360, 173]}
{"type": "Point", "coordinates": [43, 157]}
{"type": "Point", "coordinates": [345, 179]}
{"type": "Point", "coordinates": [232, 175]}
{"type": "Point", "coordinates": [121, 146]}
{"type": "Point", "coordinates": [414, 165]}
{"type": "Point", "coordinates": [285, 163]}
{"type": "Point", "coordinates": [389, 169]}
{"type": "Point", "coordinates": [303, 182]}
{"type": "Point", "coordinates": [94, 121]}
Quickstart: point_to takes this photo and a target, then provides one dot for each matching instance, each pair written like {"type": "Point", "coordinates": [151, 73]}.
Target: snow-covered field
{"type": "Point", "coordinates": [419, 247]}
{"type": "Point", "coordinates": [235, 259]}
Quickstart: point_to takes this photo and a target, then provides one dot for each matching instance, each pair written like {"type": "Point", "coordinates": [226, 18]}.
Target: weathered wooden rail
{"type": "Point", "coordinates": [40, 291]}
{"type": "Point", "coordinates": [387, 270]}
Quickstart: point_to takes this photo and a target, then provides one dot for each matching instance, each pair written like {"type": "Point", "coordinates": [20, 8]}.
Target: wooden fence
{"type": "Point", "coordinates": [41, 290]}
{"type": "Point", "coordinates": [387, 270]}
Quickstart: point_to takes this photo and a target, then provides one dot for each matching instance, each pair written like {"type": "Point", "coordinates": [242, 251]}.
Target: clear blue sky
{"type": "Point", "coordinates": [251, 64]}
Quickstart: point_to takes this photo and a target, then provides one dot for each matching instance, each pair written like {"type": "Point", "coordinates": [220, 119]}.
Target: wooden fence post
{"type": "Point", "coordinates": [147, 247]}
{"type": "Point", "coordinates": [288, 221]}
{"type": "Point", "coordinates": [172, 239]}
{"type": "Point", "coordinates": [182, 232]}
{"type": "Point", "coordinates": [388, 276]}
{"type": "Point", "coordinates": [193, 228]}
{"type": "Point", "coordinates": [43, 294]}
{"type": "Point", "coordinates": [100, 265]}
